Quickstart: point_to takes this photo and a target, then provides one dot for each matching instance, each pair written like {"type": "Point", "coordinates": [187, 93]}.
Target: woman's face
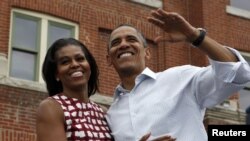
{"type": "Point", "coordinates": [73, 69]}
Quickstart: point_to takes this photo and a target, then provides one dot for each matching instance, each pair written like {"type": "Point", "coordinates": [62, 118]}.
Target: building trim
{"type": "Point", "coordinates": [238, 12]}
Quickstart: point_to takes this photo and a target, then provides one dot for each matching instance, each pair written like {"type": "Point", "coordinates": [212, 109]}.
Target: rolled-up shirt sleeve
{"type": "Point", "coordinates": [218, 81]}
{"type": "Point", "coordinates": [232, 72]}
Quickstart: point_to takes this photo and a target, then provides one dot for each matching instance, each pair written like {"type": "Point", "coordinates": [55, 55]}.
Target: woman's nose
{"type": "Point", "coordinates": [74, 63]}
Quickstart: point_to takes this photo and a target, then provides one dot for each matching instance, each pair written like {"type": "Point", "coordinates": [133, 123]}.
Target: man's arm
{"type": "Point", "coordinates": [178, 29]}
{"type": "Point", "coordinates": [215, 50]}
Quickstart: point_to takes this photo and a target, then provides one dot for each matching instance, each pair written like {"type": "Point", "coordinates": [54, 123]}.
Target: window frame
{"type": "Point", "coordinates": [43, 37]}
{"type": "Point", "coordinates": [22, 49]}
{"type": "Point", "coordinates": [237, 11]}
{"type": "Point", "coordinates": [57, 24]}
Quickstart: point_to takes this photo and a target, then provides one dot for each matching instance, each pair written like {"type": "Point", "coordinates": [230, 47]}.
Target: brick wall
{"type": "Point", "coordinates": [18, 113]}
{"type": "Point", "coordinates": [96, 19]}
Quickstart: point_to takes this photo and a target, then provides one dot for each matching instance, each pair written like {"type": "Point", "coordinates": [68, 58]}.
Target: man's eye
{"type": "Point", "coordinates": [114, 43]}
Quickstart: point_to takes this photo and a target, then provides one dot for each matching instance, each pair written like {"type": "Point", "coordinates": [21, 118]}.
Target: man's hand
{"type": "Point", "coordinates": [163, 138]}
{"type": "Point", "coordinates": [176, 27]}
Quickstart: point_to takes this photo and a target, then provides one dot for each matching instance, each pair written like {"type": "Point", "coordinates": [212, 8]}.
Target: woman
{"type": "Point", "coordinates": [71, 76]}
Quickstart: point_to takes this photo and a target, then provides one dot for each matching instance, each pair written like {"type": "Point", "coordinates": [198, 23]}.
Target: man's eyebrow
{"type": "Point", "coordinates": [114, 39]}
{"type": "Point", "coordinates": [132, 36]}
{"type": "Point", "coordinates": [127, 36]}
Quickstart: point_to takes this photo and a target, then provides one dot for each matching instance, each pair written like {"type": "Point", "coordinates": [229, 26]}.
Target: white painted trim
{"type": "Point", "coordinates": [36, 86]}
{"type": "Point", "coordinates": [20, 83]}
{"type": "Point", "coordinates": [44, 31]}
{"type": "Point", "coordinates": [152, 3]}
{"type": "Point", "coordinates": [43, 16]}
{"type": "Point", "coordinates": [238, 12]}
{"type": "Point", "coordinates": [43, 44]}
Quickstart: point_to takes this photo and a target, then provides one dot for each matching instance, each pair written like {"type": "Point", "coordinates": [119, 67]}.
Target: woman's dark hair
{"type": "Point", "coordinates": [49, 68]}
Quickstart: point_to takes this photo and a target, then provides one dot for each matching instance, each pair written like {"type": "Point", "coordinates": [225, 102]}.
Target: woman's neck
{"type": "Point", "coordinates": [81, 95]}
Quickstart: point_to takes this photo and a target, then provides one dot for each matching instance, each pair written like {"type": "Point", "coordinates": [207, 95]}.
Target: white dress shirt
{"type": "Point", "coordinates": [173, 102]}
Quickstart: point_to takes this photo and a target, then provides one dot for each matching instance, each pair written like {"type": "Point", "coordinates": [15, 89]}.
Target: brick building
{"type": "Point", "coordinates": [28, 27]}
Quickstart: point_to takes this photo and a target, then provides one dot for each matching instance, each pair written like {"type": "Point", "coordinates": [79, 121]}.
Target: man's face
{"type": "Point", "coordinates": [126, 51]}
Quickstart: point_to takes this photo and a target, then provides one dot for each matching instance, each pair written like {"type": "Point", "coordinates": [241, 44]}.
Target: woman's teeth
{"type": "Point", "coordinates": [76, 74]}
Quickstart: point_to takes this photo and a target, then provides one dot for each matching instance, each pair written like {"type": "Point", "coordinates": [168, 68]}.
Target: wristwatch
{"type": "Point", "coordinates": [197, 42]}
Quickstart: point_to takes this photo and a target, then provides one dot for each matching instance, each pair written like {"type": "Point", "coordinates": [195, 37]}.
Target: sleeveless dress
{"type": "Point", "coordinates": [83, 121]}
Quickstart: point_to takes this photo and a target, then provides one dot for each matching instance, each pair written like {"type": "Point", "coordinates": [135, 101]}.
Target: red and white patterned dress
{"type": "Point", "coordinates": [83, 121]}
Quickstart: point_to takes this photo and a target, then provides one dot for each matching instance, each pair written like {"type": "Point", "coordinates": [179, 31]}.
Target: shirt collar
{"type": "Point", "coordinates": [146, 73]}
{"type": "Point", "coordinates": [149, 73]}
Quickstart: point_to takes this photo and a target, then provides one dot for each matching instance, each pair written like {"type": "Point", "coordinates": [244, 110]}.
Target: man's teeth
{"type": "Point", "coordinates": [125, 55]}
{"type": "Point", "coordinates": [76, 74]}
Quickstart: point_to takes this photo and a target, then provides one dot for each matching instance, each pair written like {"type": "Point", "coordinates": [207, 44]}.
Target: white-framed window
{"type": "Point", "coordinates": [244, 94]}
{"type": "Point", "coordinates": [31, 34]}
{"type": "Point", "coordinates": [151, 3]}
{"type": "Point", "coordinates": [239, 8]}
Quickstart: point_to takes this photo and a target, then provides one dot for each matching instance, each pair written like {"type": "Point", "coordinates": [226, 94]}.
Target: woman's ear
{"type": "Point", "coordinates": [57, 77]}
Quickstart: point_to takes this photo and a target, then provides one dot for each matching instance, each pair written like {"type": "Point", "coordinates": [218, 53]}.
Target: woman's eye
{"type": "Point", "coordinates": [63, 62]}
{"type": "Point", "coordinates": [80, 59]}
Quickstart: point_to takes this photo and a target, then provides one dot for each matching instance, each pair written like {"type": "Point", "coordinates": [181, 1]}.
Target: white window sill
{"type": "Point", "coordinates": [151, 3]}
{"type": "Point", "coordinates": [238, 12]}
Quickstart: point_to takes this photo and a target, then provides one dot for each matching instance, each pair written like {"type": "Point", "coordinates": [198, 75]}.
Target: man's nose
{"type": "Point", "coordinates": [124, 44]}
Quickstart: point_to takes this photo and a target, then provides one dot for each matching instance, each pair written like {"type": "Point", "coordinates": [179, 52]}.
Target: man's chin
{"type": "Point", "coordinates": [128, 70]}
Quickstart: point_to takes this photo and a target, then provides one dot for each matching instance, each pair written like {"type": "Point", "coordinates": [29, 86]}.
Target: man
{"type": "Point", "coordinates": [172, 102]}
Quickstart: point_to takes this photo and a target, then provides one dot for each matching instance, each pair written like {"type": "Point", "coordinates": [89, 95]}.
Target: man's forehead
{"type": "Point", "coordinates": [124, 30]}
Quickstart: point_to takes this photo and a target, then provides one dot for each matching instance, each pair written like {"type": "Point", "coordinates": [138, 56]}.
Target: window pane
{"type": "Point", "coordinates": [244, 99]}
{"type": "Point", "coordinates": [56, 32]}
{"type": "Point", "coordinates": [25, 33]}
{"type": "Point", "coordinates": [23, 65]}
{"type": "Point", "coordinates": [242, 4]}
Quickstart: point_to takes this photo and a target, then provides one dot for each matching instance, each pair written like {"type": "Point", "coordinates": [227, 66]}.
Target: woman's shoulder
{"type": "Point", "coordinates": [48, 102]}
{"type": "Point", "coordinates": [49, 108]}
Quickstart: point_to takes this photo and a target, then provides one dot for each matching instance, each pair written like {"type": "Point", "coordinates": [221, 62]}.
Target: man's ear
{"type": "Point", "coordinates": [147, 53]}
{"type": "Point", "coordinates": [108, 60]}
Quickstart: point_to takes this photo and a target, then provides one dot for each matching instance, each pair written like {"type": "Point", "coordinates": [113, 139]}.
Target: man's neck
{"type": "Point", "coordinates": [128, 78]}
{"type": "Point", "coordinates": [128, 81]}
